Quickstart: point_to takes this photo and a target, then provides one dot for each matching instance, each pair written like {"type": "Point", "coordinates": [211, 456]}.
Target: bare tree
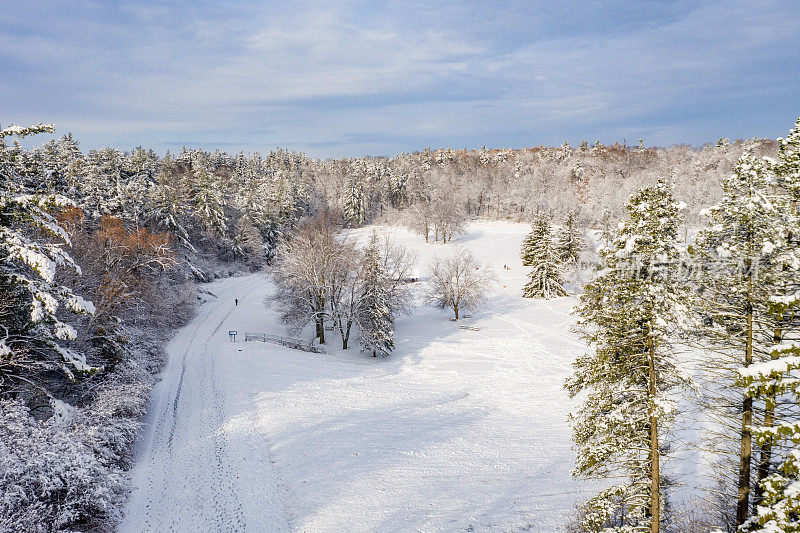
{"type": "Point", "coordinates": [345, 288]}
{"type": "Point", "coordinates": [449, 217]}
{"type": "Point", "coordinates": [420, 219]}
{"type": "Point", "coordinates": [307, 264]}
{"type": "Point", "coordinates": [398, 264]}
{"type": "Point", "coordinates": [458, 282]}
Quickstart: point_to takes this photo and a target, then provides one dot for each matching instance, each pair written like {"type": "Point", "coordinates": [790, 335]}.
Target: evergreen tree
{"type": "Point", "coordinates": [738, 253]}
{"type": "Point", "coordinates": [31, 333]}
{"type": "Point", "coordinates": [167, 208]}
{"type": "Point", "coordinates": [774, 381]}
{"type": "Point", "coordinates": [545, 279]}
{"type": "Point", "coordinates": [247, 242]}
{"type": "Point", "coordinates": [626, 314]}
{"type": "Point", "coordinates": [354, 208]}
{"type": "Point", "coordinates": [208, 202]}
{"type": "Point", "coordinates": [540, 228]}
{"type": "Point", "coordinates": [607, 228]}
{"type": "Point", "coordinates": [570, 241]}
{"type": "Point", "coordinates": [376, 320]}
{"type": "Point", "coordinates": [70, 160]}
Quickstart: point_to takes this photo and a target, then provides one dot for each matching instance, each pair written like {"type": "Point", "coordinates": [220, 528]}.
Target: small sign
{"type": "Point", "coordinates": [232, 334]}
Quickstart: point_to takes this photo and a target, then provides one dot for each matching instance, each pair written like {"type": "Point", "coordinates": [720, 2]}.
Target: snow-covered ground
{"type": "Point", "coordinates": [457, 430]}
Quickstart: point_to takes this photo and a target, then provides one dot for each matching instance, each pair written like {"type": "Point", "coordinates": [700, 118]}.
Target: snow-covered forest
{"type": "Point", "coordinates": [681, 264]}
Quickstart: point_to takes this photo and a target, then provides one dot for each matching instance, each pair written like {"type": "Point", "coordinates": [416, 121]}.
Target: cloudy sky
{"type": "Point", "coordinates": [351, 78]}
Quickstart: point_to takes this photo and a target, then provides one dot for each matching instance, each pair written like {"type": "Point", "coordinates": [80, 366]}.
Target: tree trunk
{"type": "Point", "coordinates": [320, 324]}
{"type": "Point", "coordinates": [769, 420]}
{"type": "Point", "coordinates": [346, 334]}
{"type": "Point", "coordinates": [746, 452]}
{"type": "Point", "coordinates": [655, 474]}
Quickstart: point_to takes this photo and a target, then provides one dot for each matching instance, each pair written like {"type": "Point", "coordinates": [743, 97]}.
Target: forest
{"type": "Point", "coordinates": [103, 256]}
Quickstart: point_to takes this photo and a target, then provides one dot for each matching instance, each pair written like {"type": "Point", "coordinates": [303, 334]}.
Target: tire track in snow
{"type": "Point", "coordinates": [157, 436]}
{"type": "Point", "coordinates": [160, 450]}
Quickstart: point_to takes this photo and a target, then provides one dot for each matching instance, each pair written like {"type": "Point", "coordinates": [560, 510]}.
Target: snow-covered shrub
{"type": "Point", "coordinates": [50, 478]}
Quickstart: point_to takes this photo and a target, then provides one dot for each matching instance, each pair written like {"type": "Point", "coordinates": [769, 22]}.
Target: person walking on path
{"type": "Point", "coordinates": [236, 300]}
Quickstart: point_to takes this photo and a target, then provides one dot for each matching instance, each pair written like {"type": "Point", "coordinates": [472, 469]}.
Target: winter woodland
{"type": "Point", "coordinates": [683, 265]}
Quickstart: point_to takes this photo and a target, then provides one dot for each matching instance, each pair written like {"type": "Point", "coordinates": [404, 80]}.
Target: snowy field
{"type": "Point", "coordinates": [457, 430]}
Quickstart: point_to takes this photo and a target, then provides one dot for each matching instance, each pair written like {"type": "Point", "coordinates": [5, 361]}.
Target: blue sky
{"type": "Point", "coordinates": [354, 78]}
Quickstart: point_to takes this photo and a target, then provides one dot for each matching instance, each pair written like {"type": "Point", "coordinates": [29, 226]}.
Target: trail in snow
{"type": "Point", "coordinates": [457, 430]}
{"type": "Point", "coordinates": [188, 478]}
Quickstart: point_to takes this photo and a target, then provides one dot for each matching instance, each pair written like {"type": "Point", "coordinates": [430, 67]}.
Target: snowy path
{"type": "Point", "coordinates": [458, 430]}
{"type": "Point", "coordinates": [190, 477]}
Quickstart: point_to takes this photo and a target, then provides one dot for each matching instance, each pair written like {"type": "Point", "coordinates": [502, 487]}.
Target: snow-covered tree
{"type": "Point", "coordinates": [545, 279]}
{"type": "Point", "coordinates": [419, 218]}
{"type": "Point", "coordinates": [100, 190]}
{"type": "Point", "coordinates": [457, 282]}
{"type": "Point", "coordinates": [738, 252]}
{"type": "Point", "coordinates": [354, 207]}
{"type": "Point", "coordinates": [168, 208]}
{"type": "Point", "coordinates": [247, 242]}
{"type": "Point", "coordinates": [375, 313]}
{"type": "Point", "coordinates": [778, 504]}
{"type": "Point", "coordinates": [627, 314]}
{"type": "Point", "coordinates": [344, 286]}
{"type": "Point", "coordinates": [777, 501]}
{"type": "Point", "coordinates": [570, 241]}
{"type": "Point", "coordinates": [209, 205]}
{"type": "Point", "coordinates": [32, 334]}
{"type": "Point", "coordinates": [448, 216]}
{"type": "Point", "coordinates": [540, 228]}
{"type": "Point", "coordinates": [308, 261]}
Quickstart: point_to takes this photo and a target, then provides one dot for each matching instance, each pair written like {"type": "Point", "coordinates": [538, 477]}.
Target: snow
{"type": "Point", "coordinates": [457, 429]}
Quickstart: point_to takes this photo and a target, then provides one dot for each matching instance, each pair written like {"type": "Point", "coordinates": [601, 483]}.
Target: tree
{"type": "Point", "coordinates": [306, 265]}
{"type": "Point", "coordinates": [32, 336]}
{"type": "Point", "coordinates": [375, 313]}
{"type": "Point", "coordinates": [420, 218]}
{"type": "Point", "coordinates": [774, 381]}
{"type": "Point", "coordinates": [627, 314]}
{"type": "Point", "coordinates": [457, 282]}
{"type": "Point", "coordinates": [738, 253]}
{"type": "Point", "coordinates": [208, 202]}
{"type": "Point", "coordinates": [540, 228]}
{"type": "Point", "coordinates": [247, 242]}
{"type": "Point", "coordinates": [354, 208]}
{"type": "Point", "coordinates": [345, 287]}
{"type": "Point", "coordinates": [448, 217]}
{"type": "Point", "coordinates": [570, 242]}
{"type": "Point", "coordinates": [119, 267]}
{"type": "Point", "coordinates": [168, 207]}
{"type": "Point", "coordinates": [545, 279]}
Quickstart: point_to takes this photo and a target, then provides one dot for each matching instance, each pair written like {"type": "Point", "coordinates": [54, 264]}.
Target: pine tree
{"type": "Point", "coordinates": [539, 229]}
{"type": "Point", "coordinates": [627, 314]}
{"type": "Point", "coordinates": [31, 240]}
{"type": "Point", "coordinates": [545, 279]}
{"type": "Point", "coordinates": [167, 208]}
{"type": "Point", "coordinates": [738, 253]}
{"type": "Point", "coordinates": [209, 205]}
{"type": "Point", "coordinates": [354, 209]}
{"type": "Point", "coordinates": [71, 160]}
{"type": "Point", "coordinates": [247, 242]}
{"type": "Point", "coordinates": [570, 241]}
{"type": "Point", "coordinates": [777, 502]}
{"type": "Point", "coordinates": [376, 320]}
{"type": "Point", "coordinates": [607, 228]}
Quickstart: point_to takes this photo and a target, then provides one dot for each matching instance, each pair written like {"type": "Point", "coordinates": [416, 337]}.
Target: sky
{"type": "Point", "coordinates": [339, 78]}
